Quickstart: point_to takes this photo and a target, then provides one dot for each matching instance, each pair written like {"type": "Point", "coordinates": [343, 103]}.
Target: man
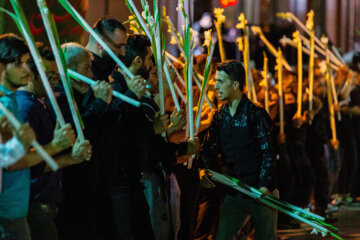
{"type": "Point", "coordinates": [130, 210]}
{"type": "Point", "coordinates": [45, 191]}
{"type": "Point", "coordinates": [114, 35]}
{"type": "Point", "coordinates": [14, 199]}
{"type": "Point", "coordinates": [241, 132]}
{"type": "Point", "coordinates": [75, 220]}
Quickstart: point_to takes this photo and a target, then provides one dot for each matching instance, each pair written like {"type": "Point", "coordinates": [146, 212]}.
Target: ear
{"type": "Point", "coordinates": [99, 48]}
{"type": "Point", "coordinates": [236, 85]}
{"type": "Point", "coordinates": [138, 61]}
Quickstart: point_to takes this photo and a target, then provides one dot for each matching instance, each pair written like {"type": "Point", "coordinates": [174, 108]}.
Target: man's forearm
{"type": "Point", "coordinates": [32, 158]}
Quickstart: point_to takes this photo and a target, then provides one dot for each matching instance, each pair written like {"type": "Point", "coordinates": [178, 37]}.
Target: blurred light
{"type": "Point", "coordinates": [226, 3]}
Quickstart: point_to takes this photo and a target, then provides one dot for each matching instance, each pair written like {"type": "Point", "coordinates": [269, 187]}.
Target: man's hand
{"type": "Point", "coordinates": [309, 115]}
{"type": "Point", "coordinates": [81, 151]}
{"type": "Point", "coordinates": [103, 90]}
{"type": "Point", "coordinates": [281, 138]}
{"type": "Point", "coordinates": [205, 179]}
{"type": "Point", "coordinates": [264, 191]}
{"type": "Point", "coordinates": [297, 121]}
{"type": "Point", "coordinates": [193, 146]}
{"type": "Point", "coordinates": [25, 134]}
{"type": "Point", "coordinates": [136, 85]}
{"type": "Point", "coordinates": [63, 137]}
{"type": "Point", "coordinates": [336, 108]}
{"type": "Point", "coordinates": [334, 144]}
{"type": "Point", "coordinates": [177, 121]}
{"type": "Point", "coordinates": [161, 123]}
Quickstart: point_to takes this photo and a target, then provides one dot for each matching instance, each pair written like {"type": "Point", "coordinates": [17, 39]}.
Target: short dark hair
{"type": "Point", "coordinates": [12, 48]}
{"type": "Point", "coordinates": [136, 45]}
{"type": "Point", "coordinates": [45, 52]}
{"type": "Point", "coordinates": [106, 25]}
{"type": "Point", "coordinates": [235, 70]}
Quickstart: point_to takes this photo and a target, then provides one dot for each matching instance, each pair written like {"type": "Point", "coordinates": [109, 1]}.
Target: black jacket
{"type": "Point", "coordinates": [244, 141]}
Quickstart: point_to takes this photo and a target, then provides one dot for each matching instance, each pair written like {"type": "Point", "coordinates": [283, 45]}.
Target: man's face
{"type": "Point", "coordinates": [224, 86]}
{"type": "Point", "coordinates": [116, 42]}
{"type": "Point", "coordinates": [153, 80]}
{"type": "Point", "coordinates": [147, 64]}
{"type": "Point", "coordinates": [51, 72]}
{"type": "Point", "coordinates": [18, 74]}
{"type": "Point", "coordinates": [84, 68]}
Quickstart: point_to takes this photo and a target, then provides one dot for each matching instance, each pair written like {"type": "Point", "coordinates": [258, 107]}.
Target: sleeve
{"type": "Point", "coordinates": [210, 146]}
{"type": "Point", "coordinates": [263, 134]}
{"type": "Point", "coordinates": [10, 152]}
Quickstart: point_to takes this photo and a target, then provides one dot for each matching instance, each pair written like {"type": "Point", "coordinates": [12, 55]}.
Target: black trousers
{"type": "Point", "coordinates": [131, 212]}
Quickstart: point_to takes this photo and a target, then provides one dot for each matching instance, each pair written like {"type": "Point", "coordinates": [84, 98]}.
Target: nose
{"type": "Point", "coordinates": [216, 86]}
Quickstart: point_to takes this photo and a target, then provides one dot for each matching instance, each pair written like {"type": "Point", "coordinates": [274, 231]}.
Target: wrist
{"type": "Point", "coordinates": [53, 148]}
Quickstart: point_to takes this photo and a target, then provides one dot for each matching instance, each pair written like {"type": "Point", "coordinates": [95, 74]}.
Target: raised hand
{"type": "Point", "coordinates": [136, 85]}
{"type": "Point", "coordinates": [103, 90]}
{"type": "Point", "coordinates": [63, 137]}
{"type": "Point", "coordinates": [81, 151]}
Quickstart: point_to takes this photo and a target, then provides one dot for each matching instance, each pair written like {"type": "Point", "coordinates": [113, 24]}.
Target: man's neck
{"type": "Point", "coordinates": [133, 69]}
{"type": "Point", "coordinates": [92, 49]}
{"type": "Point", "coordinates": [28, 88]}
{"type": "Point", "coordinates": [234, 101]}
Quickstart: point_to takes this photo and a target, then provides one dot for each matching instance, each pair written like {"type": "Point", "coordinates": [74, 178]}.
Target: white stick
{"type": "Point", "coordinates": [91, 82]}
{"type": "Point", "coordinates": [321, 51]}
{"type": "Point", "coordinates": [198, 84]}
{"type": "Point", "coordinates": [174, 59]}
{"type": "Point", "coordinates": [44, 11]}
{"type": "Point", "coordinates": [284, 40]}
{"type": "Point", "coordinates": [181, 80]}
{"type": "Point", "coordinates": [173, 94]}
{"type": "Point", "coordinates": [338, 55]}
{"type": "Point", "coordinates": [180, 93]}
{"type": "Point", "coordinates": [42, 153]}
{"type": "Point", "coordinates": [303, 27]}
{"type": "Point", "coordinates": [100, 41]}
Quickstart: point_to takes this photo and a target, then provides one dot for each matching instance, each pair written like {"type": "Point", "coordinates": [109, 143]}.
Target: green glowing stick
{"type": "Point", "coordinates": [91, 82]}
{"type": "Point", "coordinates": [25, 30]}
{"type": "Point", "coordinates": [60, 62]}
{"type": "Point", "coordinates": [279, 205]}
{"type": "Point", "coordinates": [42, 153]}
{"type": "Point", "coordinates": [96, 36]}
{"type": "Point", "coordinates": [204, 85]}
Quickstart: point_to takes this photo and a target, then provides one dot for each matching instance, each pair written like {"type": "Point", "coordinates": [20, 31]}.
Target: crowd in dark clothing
{"type": "Point", "coordinates": [130, 180]}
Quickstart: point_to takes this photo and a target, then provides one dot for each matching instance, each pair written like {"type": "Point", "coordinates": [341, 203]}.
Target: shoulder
{"type": "Point", "coordinates": [9, 103]}
{"type": "Point", "coordinates": [259, 115]}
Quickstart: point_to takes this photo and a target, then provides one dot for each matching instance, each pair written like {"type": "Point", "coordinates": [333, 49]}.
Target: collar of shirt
{"type": "Point", "coordinates": [239, 108]}
{"type": "Point", "coordinates": [29, 95]}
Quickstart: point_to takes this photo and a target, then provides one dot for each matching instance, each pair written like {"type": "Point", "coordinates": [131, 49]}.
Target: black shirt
{"type": "Point", "coordinates": [245, 142]}
{"type": "Point", "coordinates": [102, 68]}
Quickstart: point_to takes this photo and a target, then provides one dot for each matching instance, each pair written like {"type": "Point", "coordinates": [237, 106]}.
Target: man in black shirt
{"type": "Point", "coordinates": [114, 35]}
{"type": "Point", "coordinates": [241, 133]}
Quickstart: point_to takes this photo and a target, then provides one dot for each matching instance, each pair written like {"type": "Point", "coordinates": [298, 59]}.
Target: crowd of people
{"type": "Point", "coordinates": [130, 179]}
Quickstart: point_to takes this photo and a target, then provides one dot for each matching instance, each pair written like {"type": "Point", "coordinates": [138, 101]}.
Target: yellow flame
{"type": "Point", "coordinates": [218, 12]}
{"type": "Point", "coordinates": [240, 43]}
{"type": "Point", "coordinates": [242, 22]}
{"type": "Point", "coordinates": [207, 35]}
